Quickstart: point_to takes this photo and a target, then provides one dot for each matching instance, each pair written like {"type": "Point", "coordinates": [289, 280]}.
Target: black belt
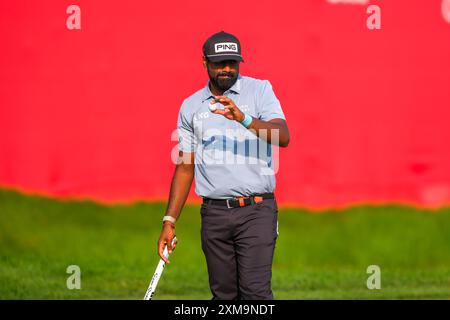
{"type": "Point", "coordinates": [239, 201]}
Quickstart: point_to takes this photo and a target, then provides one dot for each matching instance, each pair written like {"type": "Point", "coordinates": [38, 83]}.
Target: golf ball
{"type": "Point", "coordinates": [213, 106]}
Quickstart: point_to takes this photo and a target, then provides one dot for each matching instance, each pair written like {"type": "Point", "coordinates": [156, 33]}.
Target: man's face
{"type": "Point", "coordinates": [223, 75]}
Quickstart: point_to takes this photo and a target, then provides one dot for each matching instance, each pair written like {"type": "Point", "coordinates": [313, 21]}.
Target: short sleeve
{"type": "Point", "coordinates": [268, 105]}
{"type": "Point", "coordinates": [185, 130]}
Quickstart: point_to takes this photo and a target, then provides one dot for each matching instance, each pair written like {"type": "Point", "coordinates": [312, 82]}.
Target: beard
{"type": "Point", "coordinates": [223, 83]}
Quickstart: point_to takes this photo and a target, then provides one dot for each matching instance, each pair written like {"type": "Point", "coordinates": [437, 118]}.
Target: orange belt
{"type": "Point", "coordinates": [237, 202]}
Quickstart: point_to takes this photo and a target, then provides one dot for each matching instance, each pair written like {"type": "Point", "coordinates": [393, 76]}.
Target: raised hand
{"type": "Point", "coordinates": [230, 110]}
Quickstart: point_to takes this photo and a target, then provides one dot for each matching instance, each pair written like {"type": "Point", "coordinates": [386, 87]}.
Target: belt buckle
{"type": "Point", "coordinates": [228, 204]}
{"type": "Point", "coordinates": [258, 199]}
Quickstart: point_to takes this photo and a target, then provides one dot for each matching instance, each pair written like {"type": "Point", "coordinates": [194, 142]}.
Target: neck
{"type": "Point", "coordinates": [215, 91]}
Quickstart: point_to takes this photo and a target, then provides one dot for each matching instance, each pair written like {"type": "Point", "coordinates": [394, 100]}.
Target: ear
{"type": "Point", "coordinates": [205, 62]}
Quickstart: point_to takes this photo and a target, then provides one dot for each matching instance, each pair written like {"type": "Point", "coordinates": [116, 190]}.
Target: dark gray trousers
{"type": "Point", "coordinates": [238, 244]}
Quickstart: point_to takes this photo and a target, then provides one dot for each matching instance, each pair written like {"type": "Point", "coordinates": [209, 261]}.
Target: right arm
{"type": "Point", "coordinates": [179, 191]}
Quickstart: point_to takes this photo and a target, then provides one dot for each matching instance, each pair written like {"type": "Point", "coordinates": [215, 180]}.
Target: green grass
{"type": "Point", "coordinates": [318, 255]}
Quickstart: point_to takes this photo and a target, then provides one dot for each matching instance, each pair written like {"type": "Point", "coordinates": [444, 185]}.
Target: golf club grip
{"type": "Point", "coordinates": [158, 272]}
{"type": "Point", "coordinates": [155, 278]}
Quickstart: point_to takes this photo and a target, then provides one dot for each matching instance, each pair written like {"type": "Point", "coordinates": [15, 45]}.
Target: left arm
{"type": "Point", "coordinates": [263, 129]}
{"type": "Point", "coordinates": [271, 127]}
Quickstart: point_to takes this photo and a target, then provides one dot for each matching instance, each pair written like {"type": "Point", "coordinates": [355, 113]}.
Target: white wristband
{"type": "Point", "coordinates": [169, 218]}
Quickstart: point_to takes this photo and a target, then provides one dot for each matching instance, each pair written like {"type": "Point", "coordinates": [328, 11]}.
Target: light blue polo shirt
{"type": "Point", "coordinates": [230, 160]}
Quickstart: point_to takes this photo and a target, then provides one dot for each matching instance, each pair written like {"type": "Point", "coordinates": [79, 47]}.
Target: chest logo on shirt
{"type": "Point", "coordinates": [244, 108]}
{"type": "Point", "coordinates": [201, 115]}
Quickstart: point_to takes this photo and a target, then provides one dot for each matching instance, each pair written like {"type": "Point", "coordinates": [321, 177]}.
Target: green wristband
{"type": "Point", "coordinates": [247, 120]}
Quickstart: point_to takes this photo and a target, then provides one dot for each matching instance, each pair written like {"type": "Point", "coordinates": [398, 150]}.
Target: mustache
{"type": "Point", "coordinates": [229, 74]}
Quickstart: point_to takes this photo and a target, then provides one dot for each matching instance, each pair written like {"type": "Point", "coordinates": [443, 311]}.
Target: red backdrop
{"type": "Point", "coordinates": [90, 112]}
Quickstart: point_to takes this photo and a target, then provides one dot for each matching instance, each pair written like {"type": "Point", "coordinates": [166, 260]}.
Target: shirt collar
{"type": "Point", "coordinates": [236, 88]}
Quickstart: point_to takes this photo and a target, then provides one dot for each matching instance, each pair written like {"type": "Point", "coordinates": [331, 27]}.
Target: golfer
{"type": "Point", "coordinates": [226, 131]}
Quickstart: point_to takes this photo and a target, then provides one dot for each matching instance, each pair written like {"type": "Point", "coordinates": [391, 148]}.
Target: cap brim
{"type": "Point", "coordinates": [224, 57]}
